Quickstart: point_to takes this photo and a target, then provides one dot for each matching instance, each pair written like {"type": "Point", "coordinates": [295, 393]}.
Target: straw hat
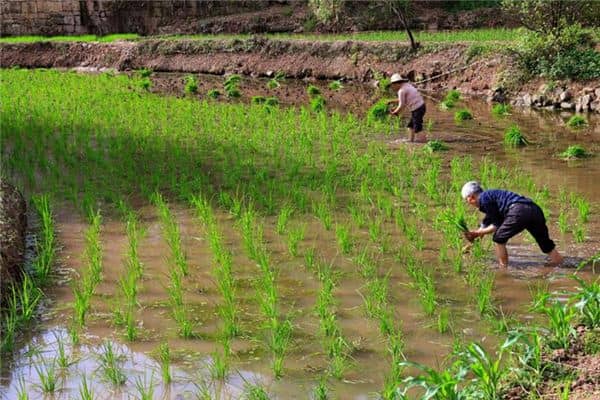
{"type": "Point", "coordinates": [398, 78]}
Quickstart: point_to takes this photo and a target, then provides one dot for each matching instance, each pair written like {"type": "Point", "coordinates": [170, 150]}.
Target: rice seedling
{"type": "Point", "coordinates": [501, 110]}
{"type": "Point", "coordinates": [577, 121]}
{"type": "Point", "coordinates": [335, 85]}
{"type": "Point", "coordinates": [514, 138]}
{"type": "Point", "coordinates": [145, 72]}
{"type": "Point", "coordinates": [271, 102]}
{"type": "Point", "coordinates": [213, 94]}
{"type": "Point", "coordinates": [255, 392]}
{"type": "Point", "coordinates": [344, 239]}
{"type": "Point", "coordinates": [562, 222]}
{"type": "Point", "coordinates": [110, 365]}
{"type": "Point", "coordinates": [171, 233]}
{"type": "Point", "coordinates": [320, 391]}
{"type": "Point", "coordinates": [145, 388]}
{"type": "Point", "coordinates": [46, 246]}
{"type": "Point", "coordinates": [284, 215]}
{"type": "Point", "coordinates": [145, 84]}
{"type": "Point", "coordinates": [379, 112]}
{"type": "Point", "coordinates": [295, 236]}
{"type": "Point", "coordinates": [47, 376]}
{"type": "Point", "coordinates": [258, 99]}
{"type": "Point", "coordinates": [453, 95]}
{"type": "Point", "coordinates": [443, 320]}
{"type": "Point", "coordinates": [25, 298]}
{"type": "Point", "coordinates": [312, 91]}
{"type": "Point", "coordinates": [484, 294]}
{"type": "Point", "coordinates": [164, 357]}
{"type": "Point", "coordinates": [22, 393]}
{"type": "Point", "coordinates": [579, 233]}
{"type": "Point", "coordinates": [231, 86]}
{"type": "Point", "coordinates": [583, 209]}
{"type": "Point", "coordinates": [317, 104]}
{"type": "Point", "coordinates": [309, 258]}
{"type": "Point", "coordinates": [219, 366]}
{"type": "Point", "coordinates": [462, 115]}
{"type": "Point", "coordinates": [447, 104]}
{"type": "Point", "coordinates": [323, 212]}
{"type": "Point", "coordinates": [191, 84]}
{"type": "Point", "coordinates": [436, 145]}
{"type": "Point", "coordinates": [62, 359]}
{"type": "Point", "coordinates": [573, 152]}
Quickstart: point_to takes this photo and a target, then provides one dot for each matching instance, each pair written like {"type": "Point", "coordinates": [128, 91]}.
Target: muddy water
{"type": "Point", "coordinates": [298, 287]}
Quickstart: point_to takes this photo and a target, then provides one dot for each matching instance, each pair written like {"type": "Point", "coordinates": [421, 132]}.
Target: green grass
{"type": "Point", "coordinates": [462, 115]}
{"type": "Point", "coordinates": [577, 121]}
{"type": "Point", "coordinates": [574, 151]}
{"type": "Point", "coordinates": [75, 38]}
{"type": "Point", "coordinates": [514, 138]}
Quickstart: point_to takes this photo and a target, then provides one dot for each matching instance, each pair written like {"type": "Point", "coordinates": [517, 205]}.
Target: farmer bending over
{"type": "Point", "coordinates": [409, 98]}
{"type": "Point", "coordinates": [507, 214]}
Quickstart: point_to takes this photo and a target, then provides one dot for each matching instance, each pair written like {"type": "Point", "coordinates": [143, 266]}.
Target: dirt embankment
{"type": "Point", "coordinates": [439, 65]}
{"type": "Point", "coordinates": [13, 225]}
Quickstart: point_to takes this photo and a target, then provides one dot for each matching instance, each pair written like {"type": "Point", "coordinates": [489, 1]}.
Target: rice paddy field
{"type": "Point", "coordinates": [187, 247]}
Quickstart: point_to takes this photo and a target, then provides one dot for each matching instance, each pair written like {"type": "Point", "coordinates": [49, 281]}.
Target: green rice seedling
{"type": "Point", "coordinates": [501, 110]}
{"type": "Point", "coordinates": [379, 112]}
{"type": "Point", "coordinates": [309, 258]}
{"type": "Point", "coordinates": [462, 115]}
{"type": "Point", "coordinates": [295, 236]}
{"type": "Point", "coordinates": [384, 84]}
{"type": "Point", "coordinates": [22, 393]}
{"type": "Point", "coordinates": [272, 84]}
{"type": "Point", "coordinates": [335, 85]}
{"type": "Point", "coordinates": [255, 392]}
{"type": "Point", "coordinates": [26, 298]}
{"type": "Point", "coordinates": [62, 359]}
{"type": "Point", "coordinates": [312, 91]}
{"type": "Point", "coordinates": [47, 376]}
{"type": "Point", "coordinates": [191, 84]}
{"type": "Point", "coordinates": [258, 100]}
{"type": "Point", "coordinates": [427, 294]}
{"type": "Point", "coordinates": [110, 365]}
{"type": "Point", "coordinates": [145, 83]}
{"type": "Point", "coordinates": [565, 391]}
{"type": "Point", "coordinates": [281, 336]}
{"type": "Point", "coordinates": [219, 367]}
{"type": "Point", "coordinates": [46, 247]}
{"type": "Point", "coordinates": [579, 233]}
{"type": "Point", "coordinates": [338, 349]}
{"type": "Point", "coordinates": [573, 152]}
{"type": "Point", "coordinates": [271, 102]}
{"type": "Point", "coordinates": [447, 104]}
{"type": "Point", "coordinates": [562, 222]}
{"type": "Point", "coordinates": [445, 385]}
{"type": "Point", "coordinates": [321, 392]}
{"type": "Point", "coordinates": [484, 294]}
{"type": "Point", "coordinates": [583, 209]}
{"type": "Point", "coordinates": [213, 94]}
{"type": "Point", "coordinates": [487, 369]}
{"type": "Point", "coordinates": [323, 212]}
{"type": "Point", "coordinates": [164, 357]}
{"type": "Point", "coordinates": [145, 72]}
{"type": "Point", "coordinates": [317, 104]}
{"type": "Point", "coordinates": [577, 121]}
{"type": "Point", "coordinates": [436, 145]}
{"type": "Point", "coordinates": [453, 95]}
{"type": "Point", "coordinates": [375, 229]}
{"type": "Point", "coordinates": [171, 233]}
{"type": "Point", "coordinates": [284, 215]}
{"type": "Point", "coordinates": [144, 388]}
{"type": "Point", "coordinates": [587, 301]}
{"type": "Point", "coordinates": [429, 125]}
{"type": "Point", "coordinates": [344, 238]}
{"type": "Point", "coordinates": [514, 138]}
{"type": "Point", "coordinates": [10, 323]}
{"type": "Point", "coordinates": [443, 320]}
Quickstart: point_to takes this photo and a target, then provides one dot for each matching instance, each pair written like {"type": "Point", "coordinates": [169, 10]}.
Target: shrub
{"type": "Point", "coordinates": [462, 115]}
{"type": "Point", "coordinates": [313, 91]}
{"type": "Point", "coordinates": [573, 151]}
{"type": "Point", "coordinates": [258, 100]}
{"type": "Point", "coordinates": [271, 101]}
{"type": "Point", "coordinates": [317, 104]}
{"type": "Point", "coordinates": [191, 84]}
{"type": "Point", "coordinates": [233, 92]}
{"type": "Point", "coordinates": [501, 109]}
{"type": "Point", "coordinates": [379, 111]}
{"type": "Point", "coordinates": [514, 138]}
{"type": "Point", "coordinates": [577, 121]}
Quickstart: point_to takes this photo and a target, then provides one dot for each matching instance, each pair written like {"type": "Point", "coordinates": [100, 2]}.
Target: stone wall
{"type": "Point", "coordinates": [67, 17]}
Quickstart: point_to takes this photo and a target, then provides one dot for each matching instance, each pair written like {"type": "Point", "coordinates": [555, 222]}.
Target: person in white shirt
{"type": "Point", "coordinates": [409, 98]}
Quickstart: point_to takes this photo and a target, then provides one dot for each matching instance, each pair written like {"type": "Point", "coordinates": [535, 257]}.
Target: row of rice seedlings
{"type": "Point", "coordinates": [278, 327]}
{"type": "Point", "coordinates": [128, 283]}
{"type": "Point", "coordinates": [90, 277]}
{"type": "Point", "coordinates": [178, 268]}
{"type": "Point", "coordinates": [45, 242]}
{"type": "Point", "coordinates": [222, 271]}
{"type": "Point", "coordinates": [335, 344]}
{"type": "Point", "coordinates": [423, 282]}
{"type": "Point", "coordinates": [111, 364]}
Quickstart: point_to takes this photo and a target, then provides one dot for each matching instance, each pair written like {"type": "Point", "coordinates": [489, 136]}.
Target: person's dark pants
{"type": "Point", "coordinates": [522, 216]}
{"type": "Point", "coordinates": [416, 119]}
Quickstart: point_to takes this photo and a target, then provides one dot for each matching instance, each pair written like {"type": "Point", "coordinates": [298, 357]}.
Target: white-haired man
{"type": "Point", "coordinates": [506, 215]}
{"type": "Point", "coordinates": [409, 98]}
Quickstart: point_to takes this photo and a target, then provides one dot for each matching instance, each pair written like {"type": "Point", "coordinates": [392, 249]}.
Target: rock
{"type": "Point", "coordinates": [597, 93]}
{"type": "Point", "coordinates": [595, 105]}
{"type": "Point", "coordinates": [567, 106]}
{"type": "Point", "coordinates": [583, 103]}
{"type": "Point", "coordinates": [587, 90]}
{"type": "Point", "coordinates": [527, 100]}
{"type": "Point", "coordinates": [565, 95]}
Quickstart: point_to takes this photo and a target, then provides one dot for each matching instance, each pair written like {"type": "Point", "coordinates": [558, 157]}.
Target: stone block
{"type": "Point", "coordinates": [14, 7]}
{"type": "Point", "coordinates": [567, 106]}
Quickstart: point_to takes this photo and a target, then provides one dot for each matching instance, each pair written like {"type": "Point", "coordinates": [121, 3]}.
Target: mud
{"type": "Point", "coordinates": [13, 227]}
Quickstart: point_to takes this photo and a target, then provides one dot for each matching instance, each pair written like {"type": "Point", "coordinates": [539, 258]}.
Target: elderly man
{"type": "Point", "coordinates": [506, 215]}
{"type": "Point", "coordinates": [409, 98]}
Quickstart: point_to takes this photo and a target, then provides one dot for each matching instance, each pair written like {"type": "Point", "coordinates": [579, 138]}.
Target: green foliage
{"type": "Point", "coordinates": [573, 152]}
{"type": "Point", "coordinates": [577, 121]}
{"type": "Point", "coordinates": [213, 93]}
{"type": "Point", "coordinates": [475, 50]}
{"type": "Point", "coordinates": [588, 302]}
{"type": "Point", "coordinates": [501, 110]}
{"type": "Point", "coordinates": [379, 112]}
{"type": "Point", "coordinates": [452, 95]}
{"type": "Point", "coordinates": [326, 10]}
{"type": "Point", "coordinates": [384, 84]}
{"type": "Point", "coordinates": [462, 115]}
{"type": "Point", "coordinates": [231, 86]}
{"type": "Point", "coordinates": [335, 85]}
{"type": "Point", "coordinates": [317, 104]}
{"type": "Point", "coordinates": [436, 145]}
{"type": "Point", "coordinates": [258, 100]}
{"type": "Point", "coordinates": [271, 101]}
{"type": "Point", "coordinates": [191, 84]}
{"type": "Point", "coordinates": [514, 138]}
{"type": "Point", "coordinates": [145, 72]}
{"type": "Point", "coordinates": [313, 91]}
{"type": "Point", "coordinates": [145, 83]}
{"type": "Point", "coordinates": [446, 104]}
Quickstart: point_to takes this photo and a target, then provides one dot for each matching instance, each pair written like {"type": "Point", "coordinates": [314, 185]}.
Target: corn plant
{"type": "Point", "coordinates": [487, 369]}
{"type": "Point", "coordinates": [587, 301]}
{"type": "Point", "coordinates": [444, 385]}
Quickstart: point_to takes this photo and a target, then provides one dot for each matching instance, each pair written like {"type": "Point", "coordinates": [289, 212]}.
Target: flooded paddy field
{"type": "Point", "coordinates": [217, 249]}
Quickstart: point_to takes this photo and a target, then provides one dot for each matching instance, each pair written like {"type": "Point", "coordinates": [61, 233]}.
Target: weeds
{"type": "Point", "coordinates": [577, 122]}
{"type": "Point", "coordinates": [573, 152]}
{"type": "Point", "coordinates": [335, 85]}
{"type": "Point", "coordinates": [191, 84]}
{"type": "Point", "coordinates": [313, 91]}
{"type": "Point", "coordinates": [514, 138]}
{"type": "Point", "coordinates": [501, 110]}
{"type": "Point", "coordinates": [462, 115]}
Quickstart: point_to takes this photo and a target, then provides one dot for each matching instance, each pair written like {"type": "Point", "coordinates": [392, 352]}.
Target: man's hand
{"type": "Point", "coordinates": [472, 235]}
